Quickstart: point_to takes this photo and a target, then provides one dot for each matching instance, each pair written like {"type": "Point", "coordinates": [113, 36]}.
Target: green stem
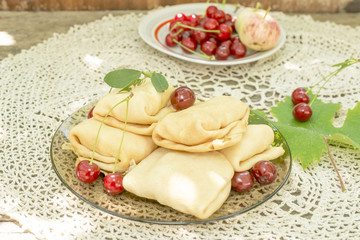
{"type": "Point", "coordinates": [194, 52]}
{"type": "Point", "coordinates": [194, 28]}
{"type": "Point", "coordinates": [102, 123]}
{"type": "Point", "coordinates": [327, 78]}
{"type": "Point", "coordinates": [122, 137]}
{"type": "Point", "coordinates": [334, 165]}
{"type": "Point", "coordinates": [267, 11]}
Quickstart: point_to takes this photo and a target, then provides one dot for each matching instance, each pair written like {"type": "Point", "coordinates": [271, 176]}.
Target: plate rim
{"type": "Point", "coordinates": [63, 181]}
{"type": "Point", "coordinates": [144, 28]}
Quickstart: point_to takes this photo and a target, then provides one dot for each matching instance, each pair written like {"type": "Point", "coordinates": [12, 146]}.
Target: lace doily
{"type": "Point", "coordinates": [44, 85]}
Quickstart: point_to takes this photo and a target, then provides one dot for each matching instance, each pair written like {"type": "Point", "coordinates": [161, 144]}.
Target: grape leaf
{"type": "Point", "coordinates": [122, 78]}
{"type": "Point", "coordinates": [159, 82]}
{"type": "Point", "coordinates": [305, 138]}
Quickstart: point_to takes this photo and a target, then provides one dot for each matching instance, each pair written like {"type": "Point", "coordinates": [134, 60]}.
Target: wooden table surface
{"type": "Point", "coordinates": [30, 28]}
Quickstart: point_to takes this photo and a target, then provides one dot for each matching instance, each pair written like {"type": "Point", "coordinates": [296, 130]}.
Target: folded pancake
{"type": "Point", "coordinates": [255, 146]}
{"type": "Point", "coordinates": [146, 108]}
{"type": "Point", "coordinates": [134, 147]}
{"type": "Point", "coordinates": [192, 183]}
{"type": "Point", "coordinates": [206, 126]}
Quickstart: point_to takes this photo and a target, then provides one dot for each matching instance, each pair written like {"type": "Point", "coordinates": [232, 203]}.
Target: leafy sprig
{"type": "Point", "coordinates": [126, 79]}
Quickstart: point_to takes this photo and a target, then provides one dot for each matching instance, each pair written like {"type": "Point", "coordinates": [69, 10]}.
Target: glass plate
{"type": "Point", "coordinates": [129, 206]}
{"type": "Point", "coordinates": [154, 27]}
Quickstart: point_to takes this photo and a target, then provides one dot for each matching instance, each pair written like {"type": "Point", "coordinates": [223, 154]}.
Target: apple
{"type": "Point", "coordinates": [257, 29]}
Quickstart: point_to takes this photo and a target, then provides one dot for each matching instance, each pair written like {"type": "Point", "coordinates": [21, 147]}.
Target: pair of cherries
{"type": "Point", "coordinates": [302, 111]}
{"type": "Point", "coordinates": [264, 173]}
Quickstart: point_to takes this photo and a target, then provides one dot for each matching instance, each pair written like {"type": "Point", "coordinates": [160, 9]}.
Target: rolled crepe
{"type": "Point", "coordinates": [254, 147]}
{"type": "Point", "coordinates": [146, 108]}
{"type": "Point", "coordinates": [134, 147]}
{"type": "Point", "coordinates": [192, 183]}
{"type": "Point", "coordinates": [206, 126]}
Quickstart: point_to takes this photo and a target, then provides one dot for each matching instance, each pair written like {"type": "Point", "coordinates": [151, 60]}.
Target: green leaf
{"type": "Point", "coordinates": [159, 82]}
{"type": "Point", "coordinates": [305, 138]}
{"type": "Point", "coordinates": [122, 78]}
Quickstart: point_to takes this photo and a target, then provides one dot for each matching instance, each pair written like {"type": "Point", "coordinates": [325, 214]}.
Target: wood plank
{"type": "Point", "coordinates": [300, 6]}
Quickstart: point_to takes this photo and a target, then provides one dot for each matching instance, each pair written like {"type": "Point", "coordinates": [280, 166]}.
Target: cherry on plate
{"type": "Point", "coordinates": [199, 36]}
{"type": "Point", "coordinates": [242, 181]}
{"type": "Point", "coordinates": [264, 172]}
{"type": "Point", "coordinates": [113, 183]}
{"type": "Point", "coordinates": [219, 16]}
{"type": "Point", "coordinates": [189, 43]}
{"type": "Point", "coordinates": [169, 40]}
{"type": "Point", "coordinates": [225, 32]}
{"type": "Point", "coordinates": [222, 52]}
{"type": "Point", "coordinates": [211, 24]}
{"type": "Point", "coordinates": [182, 98]}
{"type": "Point", "coordinates": [90, 114]}
{"type": "Point", "coordinates": [210, 11]}
{"type": "Point", "coordinates": [238, 50]}
{"type": "Point", "coordinates": [87, 173]}
{"type": "Point", "coordinates": [208, 47]}
{"type": "Point", "coordinates": [180, 17]}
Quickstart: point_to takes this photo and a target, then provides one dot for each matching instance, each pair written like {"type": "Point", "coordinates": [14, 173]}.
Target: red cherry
{"type": "Point", "coordinates": [189, 43]}
{"type": "Point", "coordinates": [182, 98]}
{"type": "Point", "coordinates": [238, 50]}
{"type": "Point", "coordinates": [219, 16]}
{"type": "Point", "coordinates": [242, 181]}
{"type": "Point", "coordinates": [176, 29]}
{"type": "Point", "coordinates": [232, 25]}
{"type": "Point", "coordinates": [264, 172]}
{"type": "Point", "coordinates": [90, 114]}
{"type": "Point", "coordinates": [87, 173]}
{"type": "Point", "coordinates": [210, 11]}
{"type": "Point", "coordinates": [226, 43]}
{"type": "Point", "coordinates": [222, 53]}
{"type": "Point", "coordinates": [208, 47]}
{"type": "Point", "coordinates": [169, 40]}
{"type": "Point", "coordinates": [185, 34]}
{"type": "Point", "coordinates": [199, 36]}
{"type": "Point", "coordinates": [180, 17]}
{"type": "Point", "coordinates": [302, 112]}
{"type": "Point", "coordinates": [193, 18]}
{"type": "Point", "coordinates": [299, 95]}
{"type": "Point", "coordinates": [235, 39]}
{"type": "Point", "coordinates": [213, 39]}
{"type": "Point", "coordinates": [113, 183]}
{"type": "Point", "coordinates": [228, 17]}
{"type": "Point", "coordinates": [211, 24]}
{"type": "Point", "coordinates": [202, 21]}
{"type": "Point", "coordinates": [225, 32]}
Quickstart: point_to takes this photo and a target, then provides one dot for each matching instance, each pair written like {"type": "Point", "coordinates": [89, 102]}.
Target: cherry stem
{"type": "Point", "coordinates": [267, 11]}
{"type": "Point", "coordinates": [334, 165]}
{"type": "Point", "coordinates": [177, 33]}
{"type": "Point", "coordinates": [102, 123]}
{"type": "Point", "coordinates": [122, 137]}
{"type": "Point", "coordinates": [194, 52]}
{"type": "Point", "coordinates": [258, 5]}
{"type": "Point", "coordinates": [327, 78]}
{"type": "Point", "coordinates": [194, 28]}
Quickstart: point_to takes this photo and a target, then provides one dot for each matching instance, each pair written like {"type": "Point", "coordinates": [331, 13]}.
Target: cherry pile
{"type": "Point", "coordinates": [211, 33]}
{"type": "Point", "coordinates": [302, 111]}
{"type": "Point", "coordinates": [264, 173]}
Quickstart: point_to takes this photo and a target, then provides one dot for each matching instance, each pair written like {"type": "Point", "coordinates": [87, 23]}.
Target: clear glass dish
{"type": "Point", "coordinates": [129, 206]}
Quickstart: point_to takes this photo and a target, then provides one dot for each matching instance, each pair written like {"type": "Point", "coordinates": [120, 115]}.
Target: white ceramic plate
{"type": "Point", "coordinates": [155, 26]}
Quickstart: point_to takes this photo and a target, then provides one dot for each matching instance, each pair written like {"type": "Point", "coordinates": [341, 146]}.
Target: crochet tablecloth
{"type": "Point", "coordinates": [42, 86]}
